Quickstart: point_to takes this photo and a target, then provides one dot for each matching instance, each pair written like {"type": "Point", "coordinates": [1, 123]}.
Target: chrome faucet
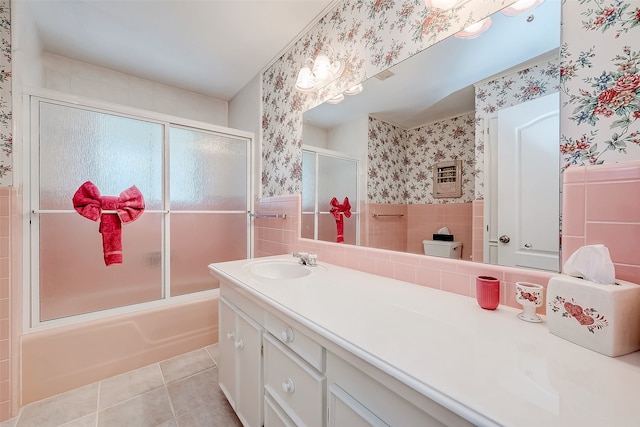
{"type": "Point", "coordinates": [306, 258]}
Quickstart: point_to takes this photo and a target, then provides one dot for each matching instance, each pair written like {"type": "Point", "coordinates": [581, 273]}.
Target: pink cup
{"type": "Point", "coordinates": [488, 292]}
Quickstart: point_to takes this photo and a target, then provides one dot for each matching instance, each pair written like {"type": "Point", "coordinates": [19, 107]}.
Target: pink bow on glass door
{"type": "Point", "coordinates": [338, 210]}
{"type": "Point", "coordinates": [88, 202]}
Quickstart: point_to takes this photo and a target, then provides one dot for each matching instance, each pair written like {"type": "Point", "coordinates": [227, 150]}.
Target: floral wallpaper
{"type": "Point", "coordinates": [6, 138]}
{"type": "Point", "coordinates": [401, 161]}
{"type": "Point", "coordinates": [387, 162]}
{"type": "Point", "coordinates": [600, 82]}
{"type": "Point", "coordinates": [513, 89]}
{"type": "Point", "coordinates": [371, 35]}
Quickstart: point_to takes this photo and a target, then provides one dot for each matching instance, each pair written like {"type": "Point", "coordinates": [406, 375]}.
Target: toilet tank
{"type": "Point", "coordinates": [442, 249]}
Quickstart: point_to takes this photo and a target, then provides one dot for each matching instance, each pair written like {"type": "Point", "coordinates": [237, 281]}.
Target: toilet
{"type": "Point", "coordinates": [442, 249]}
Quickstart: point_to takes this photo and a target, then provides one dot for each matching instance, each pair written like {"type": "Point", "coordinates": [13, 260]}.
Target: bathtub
{"type": "Point", "coordinates": [61, 359]}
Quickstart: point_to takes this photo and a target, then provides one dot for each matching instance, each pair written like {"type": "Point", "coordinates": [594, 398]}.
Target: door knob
{"type": "Point", "coordinates": [504, 239]}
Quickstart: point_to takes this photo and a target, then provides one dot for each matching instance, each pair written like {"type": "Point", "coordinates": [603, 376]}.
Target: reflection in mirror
{"type": "Point", "coordinates": [439, 106]}
{"type": "Point", "coordinates": [327, 175]}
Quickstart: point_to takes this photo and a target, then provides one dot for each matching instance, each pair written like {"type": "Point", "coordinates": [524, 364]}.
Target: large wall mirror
{"type": "Point", "coordinates": [428, 135]}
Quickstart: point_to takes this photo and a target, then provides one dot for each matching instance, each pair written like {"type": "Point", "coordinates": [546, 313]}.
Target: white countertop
{"type": "Point", "coordinates": [487, 366]}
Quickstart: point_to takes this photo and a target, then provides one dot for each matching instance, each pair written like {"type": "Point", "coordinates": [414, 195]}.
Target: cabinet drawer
{"type": "Point", "coordinates": [294, 385]}
{"type": "Point", "coordinates": [274, 416]}
{"type": "Point", "coordinates": [297, 341]}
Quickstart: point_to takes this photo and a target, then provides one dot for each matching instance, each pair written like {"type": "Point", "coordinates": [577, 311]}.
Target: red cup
{"type": "Point", "coordinates": [488, 292]}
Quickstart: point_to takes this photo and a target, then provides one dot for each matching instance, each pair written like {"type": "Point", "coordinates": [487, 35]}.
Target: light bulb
{"type": "Point", "coordinates": [322, 67]}
{"type": "Point", "coordinates": [474, 30]}
{"type": "Point", "coordinates": [305, 80]}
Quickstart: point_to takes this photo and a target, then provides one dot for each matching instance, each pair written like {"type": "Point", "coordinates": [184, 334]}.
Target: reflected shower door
{"type": "Point", "coordinates": [325, 176]}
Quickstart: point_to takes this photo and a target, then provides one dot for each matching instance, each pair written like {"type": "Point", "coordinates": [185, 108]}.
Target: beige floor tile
{"type": "Point", "coordinates": [214, 353]}
{"type": "Point", "coordinates": [130, 384]}
{"type": "Point", "coordinates": [195, 391]}
{"type": "Point", "coordinates": [150, 409]}
{"type": "Point", "coordinates": [61, 409]}
{"type": "Point", "coordinates": [217, 414]}
{"type": "Point", "coordinates": [186, 365]}
{"type": "Point", "coordinates": [9, 423]}
{"type": "Point", "coordinates": [88, 421]}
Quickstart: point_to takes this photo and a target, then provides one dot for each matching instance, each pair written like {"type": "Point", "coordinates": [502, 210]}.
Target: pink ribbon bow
{"type": "Point", "coordinates": [338, 210]}
{"type": "Point", "coordinates": [129, 206]}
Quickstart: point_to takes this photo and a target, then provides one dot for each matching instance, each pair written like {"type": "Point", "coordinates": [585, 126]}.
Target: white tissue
{"type": "Point", "coordinates": [444, 230]}
{"type": "Point", "coordinates": [593, 263]}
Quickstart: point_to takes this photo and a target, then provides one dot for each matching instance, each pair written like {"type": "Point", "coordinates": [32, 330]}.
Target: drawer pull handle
{"type": "Point", "coordinates": [287, 335]}
{"type": "Point", "coordinates": [239, 344]}
{"type": "Point", "coordinates": [231, 335]}
{"type": "Point", "coordinates": [288, 386]}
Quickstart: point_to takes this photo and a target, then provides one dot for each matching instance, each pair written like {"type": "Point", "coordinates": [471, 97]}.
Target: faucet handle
{"type": "Point", "coordinates": [313, 259]}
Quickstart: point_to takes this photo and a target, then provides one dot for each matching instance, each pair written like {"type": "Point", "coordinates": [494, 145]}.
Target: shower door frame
{"type": "Point", "coordinates": [31, 176]}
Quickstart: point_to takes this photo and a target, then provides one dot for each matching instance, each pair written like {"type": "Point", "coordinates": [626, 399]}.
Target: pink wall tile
{"type": "Point", "coordinates": [613, 201]}
{"type": "Point", "coordinates": [573, 205]}
{"type": "Point", "coordinates": [456, 283]}
{"type": "Point", "coordinates": [611, 215]}
{"type": "Point", "coordinates": [622, 240]}
{"type": "Point", "coordinates": [6, 402]}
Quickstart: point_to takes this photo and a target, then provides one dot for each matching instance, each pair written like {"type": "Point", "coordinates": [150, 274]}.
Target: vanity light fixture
{"type": "Point", "coordinates": [335, 99]}
{"type": "Point", "coordinates": [354, 90]}
{"type": "Point", "coordinates": [317, 73]}
{"type": "Point", "coordinates": [521, 6]}
{"type": "Point", "coordinates": [474, 30]}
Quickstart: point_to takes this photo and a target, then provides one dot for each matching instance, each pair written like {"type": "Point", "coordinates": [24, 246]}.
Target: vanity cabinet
{"type": "Point", "coordinates": [240, 367]}
{"type": "Point", "coordinates": [274, 368]}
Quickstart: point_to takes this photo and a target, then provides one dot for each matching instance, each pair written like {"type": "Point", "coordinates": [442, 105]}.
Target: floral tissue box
{"type": "Point", "coordinates": [603, 318]}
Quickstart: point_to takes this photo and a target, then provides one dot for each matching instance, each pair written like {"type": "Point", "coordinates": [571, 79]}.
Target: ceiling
{"type": "Point", "coordinates": [212, 47]}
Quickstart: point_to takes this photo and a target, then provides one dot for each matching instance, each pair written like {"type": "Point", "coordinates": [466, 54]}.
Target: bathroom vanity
{"type": "Point", "coordinates": [331, 346]}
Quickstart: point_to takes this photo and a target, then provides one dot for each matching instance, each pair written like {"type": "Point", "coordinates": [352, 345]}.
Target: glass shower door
{"type": "Point", "coordinates": [209, 178]}
{"type": "Point", "coordinates": [113, 152]}
{"type": "Point", "coordinates": [195, 183]}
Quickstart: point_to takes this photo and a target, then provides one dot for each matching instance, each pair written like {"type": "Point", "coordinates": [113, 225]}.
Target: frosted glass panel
{"type": "Point", "coordinates": [308, 182]}
{"type": "Point", "coordinates": [336, 178]}
{"type": "Point", "coordinates": [73, 276]}
{"type": "Point", "coordinates": [327, 230]}
{"type": "Point", "coordinates": [113, 152]}
{"type": "Point", "coordinates": [208, 171]}
{"type": "Point", "coordinates": [308, 223]}
{"type": "Point", "coordinates": [197, 240]}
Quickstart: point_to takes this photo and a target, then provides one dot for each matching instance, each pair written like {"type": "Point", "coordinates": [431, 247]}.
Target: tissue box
{"type": "Point", "coordinates": [443, 237]}
{"type": "Point", "coordinates": [603, 318]}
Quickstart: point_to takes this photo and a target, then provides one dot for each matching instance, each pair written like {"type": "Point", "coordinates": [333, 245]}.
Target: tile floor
{"type": "Point", "coordinates": [178, 392]}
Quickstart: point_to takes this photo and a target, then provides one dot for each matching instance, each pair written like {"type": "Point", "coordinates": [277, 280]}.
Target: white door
{"type": "Point", "coordinates": [528, 181]}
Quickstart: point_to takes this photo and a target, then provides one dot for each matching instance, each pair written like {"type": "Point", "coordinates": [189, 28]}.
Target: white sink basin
{"type": "Point", "coordinates": [279, 269]}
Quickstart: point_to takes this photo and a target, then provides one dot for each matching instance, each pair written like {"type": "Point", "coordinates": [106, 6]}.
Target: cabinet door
{"type": "Point", "coordinates": [249, 370]}
{"type": "Point", "coordinates": [226, 348]}
{"type": "Point", "coordinates": [345, 411]}
{"type": "Point", "coordinates": [240, 365]}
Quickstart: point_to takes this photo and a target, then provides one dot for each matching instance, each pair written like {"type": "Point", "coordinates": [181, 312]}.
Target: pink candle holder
{"type": "Point", "coordinates": [488, 292]}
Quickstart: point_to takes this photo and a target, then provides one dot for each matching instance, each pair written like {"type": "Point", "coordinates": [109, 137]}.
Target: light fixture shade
{"type": "Point", "coordinates": [521, 6]}
{"type": "Point", "coordinates": [354, 90]}
{"type": "Point", "coordinates": [305, 81]}
{"type": "Point", "coordinates": [322, 67]}
{"type": "Point", "coordinates": [474, 30]}
{"type": "Point", "coordinates": [336, 99]}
